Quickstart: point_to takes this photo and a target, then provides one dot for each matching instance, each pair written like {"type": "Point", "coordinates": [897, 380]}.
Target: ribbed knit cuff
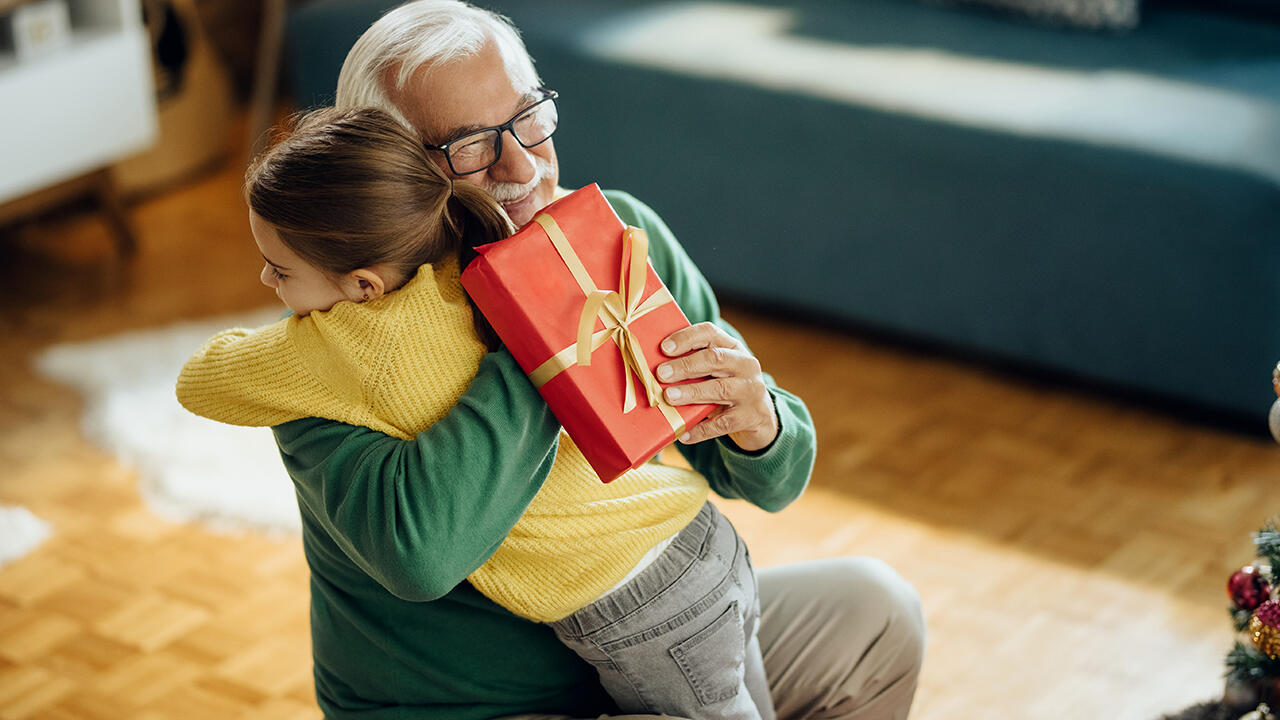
{"type": "Point", "coordinates": [775, 476]}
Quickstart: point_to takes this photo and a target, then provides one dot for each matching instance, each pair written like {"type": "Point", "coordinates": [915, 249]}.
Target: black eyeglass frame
{"type": "Point", "coordinates": [508, 126]}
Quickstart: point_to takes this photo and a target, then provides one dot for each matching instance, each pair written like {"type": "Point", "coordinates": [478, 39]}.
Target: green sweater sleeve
{"type": "Point", "coordinates": [770, 478]}
{"type": "Point", "coordinates": [420, 515]}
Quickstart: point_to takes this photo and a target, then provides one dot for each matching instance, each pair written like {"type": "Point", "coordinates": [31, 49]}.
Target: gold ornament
{"type": "Point", "coordinates": [1264, 629]}
{"type": "Point", "coordinates": [1265, 637]}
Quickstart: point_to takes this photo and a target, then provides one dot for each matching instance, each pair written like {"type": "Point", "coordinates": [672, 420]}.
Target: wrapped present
{"type": "Point", "coordinates": [574, 299]}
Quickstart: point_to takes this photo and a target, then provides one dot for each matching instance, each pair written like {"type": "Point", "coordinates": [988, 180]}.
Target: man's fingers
{"type": "Point", "coordinates": [720, 423]}
{"type": "Point", "coordinates": [697, 337]}
{"type": "Point", "coordinates": [717, 361]}
{"type": "Point", "coordinates": [724, 373]}
{"type": "Point", "coordinates": [720, 391]}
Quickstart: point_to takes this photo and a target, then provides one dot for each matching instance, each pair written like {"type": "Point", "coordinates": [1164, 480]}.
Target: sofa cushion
{"type": "Point", "coordinates": [1092, 14]}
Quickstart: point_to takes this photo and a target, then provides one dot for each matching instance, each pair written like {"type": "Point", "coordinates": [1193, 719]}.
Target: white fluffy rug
{"type": "Point", "coordinates": [190, 468]}
{"type": "Point", "coordinates": [20, 532]}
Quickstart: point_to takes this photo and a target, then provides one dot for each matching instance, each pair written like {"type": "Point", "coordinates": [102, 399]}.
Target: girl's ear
{"type": "Point", "coordinates": [363, 284]}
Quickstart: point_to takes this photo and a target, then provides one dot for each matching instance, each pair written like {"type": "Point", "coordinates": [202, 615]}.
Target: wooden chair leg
{"type": "Point", "coordinates": [113, 211]}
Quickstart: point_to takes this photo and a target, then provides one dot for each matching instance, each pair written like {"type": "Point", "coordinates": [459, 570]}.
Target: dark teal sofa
{"type": "Point", "coordinates": [1147, 262]}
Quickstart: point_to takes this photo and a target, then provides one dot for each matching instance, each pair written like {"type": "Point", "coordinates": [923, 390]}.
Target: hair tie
{"type": "Point", "coordinates": [450, 187]}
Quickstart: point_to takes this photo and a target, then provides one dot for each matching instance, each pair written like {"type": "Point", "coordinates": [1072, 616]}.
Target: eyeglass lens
{"type": "Point", "coordinates": [479, 150]}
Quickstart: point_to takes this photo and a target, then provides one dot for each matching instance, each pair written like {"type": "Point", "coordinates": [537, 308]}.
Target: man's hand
{"type": "Point", "coordinates": [735, 381]}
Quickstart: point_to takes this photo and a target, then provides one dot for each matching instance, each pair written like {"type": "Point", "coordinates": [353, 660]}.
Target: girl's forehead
{"type": "Point", "coordinates": [273, 249]}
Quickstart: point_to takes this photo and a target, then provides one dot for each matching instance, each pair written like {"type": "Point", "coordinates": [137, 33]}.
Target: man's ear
{"type": "Point", "coordinates": [363, 284]}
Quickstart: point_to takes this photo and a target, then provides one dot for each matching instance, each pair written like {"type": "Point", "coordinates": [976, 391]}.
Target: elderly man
{"type": "Point", "coordinates": [392, 528]}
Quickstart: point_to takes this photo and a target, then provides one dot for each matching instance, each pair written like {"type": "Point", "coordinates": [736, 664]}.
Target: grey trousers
{"type": "Point", "coordinates": [680, 637]}
{"type": "Point", "coordinates": [841, 638]}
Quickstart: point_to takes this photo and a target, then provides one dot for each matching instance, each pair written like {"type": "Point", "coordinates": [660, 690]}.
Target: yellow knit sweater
{"type": "Point", "coordinates": [396, 365]}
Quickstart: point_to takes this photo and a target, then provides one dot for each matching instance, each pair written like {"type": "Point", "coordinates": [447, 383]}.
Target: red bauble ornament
{"type": "Point", "coordinates": [1248, 588]}
{"type": "Point", "coordinates": [1264, 629]}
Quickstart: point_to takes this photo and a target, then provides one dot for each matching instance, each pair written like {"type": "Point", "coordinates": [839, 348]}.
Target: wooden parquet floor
{"type": "Point", "coordinates": [1071, 551]}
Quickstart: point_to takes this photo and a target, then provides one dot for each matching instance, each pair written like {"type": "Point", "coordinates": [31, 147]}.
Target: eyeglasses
{"type": "Point", "coordinates": [478, 150]}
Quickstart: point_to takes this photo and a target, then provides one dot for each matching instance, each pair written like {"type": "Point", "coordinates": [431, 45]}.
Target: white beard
{"type": "Point", "coordinates": [511, 192]}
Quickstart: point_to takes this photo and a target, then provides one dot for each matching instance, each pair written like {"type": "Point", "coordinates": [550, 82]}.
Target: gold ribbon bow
{"type": "Point", "coordinates": [617, 309]}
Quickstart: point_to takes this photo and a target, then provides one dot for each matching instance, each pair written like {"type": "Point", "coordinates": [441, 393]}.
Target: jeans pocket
{"type": "Point", "coordinates": [712, 659]}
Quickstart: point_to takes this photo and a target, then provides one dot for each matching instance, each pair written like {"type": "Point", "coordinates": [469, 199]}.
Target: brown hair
{"type": "Point", "coordinates": [350, 189]}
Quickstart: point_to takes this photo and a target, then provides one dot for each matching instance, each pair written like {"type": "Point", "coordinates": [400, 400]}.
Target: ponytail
{"type": "Point", "coordinates": [349, 189]}
{"type": "Point", "coordinates": [479, 220]}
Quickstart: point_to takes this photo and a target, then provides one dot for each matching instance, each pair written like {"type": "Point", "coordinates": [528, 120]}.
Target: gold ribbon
{"type": "Point", "coordinates": [617, 309]}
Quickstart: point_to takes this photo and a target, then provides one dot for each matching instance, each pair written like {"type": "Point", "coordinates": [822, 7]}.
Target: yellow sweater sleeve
{"type": "Point", "coordinates": [395, 364]}
{"type": "Point", "coordinates": [232, 378]}
{"type": "Point", "coordinates": [265, 377]}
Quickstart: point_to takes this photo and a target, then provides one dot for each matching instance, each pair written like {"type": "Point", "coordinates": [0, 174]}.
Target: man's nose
{"type": "Point", "coordinates": [516, 164]}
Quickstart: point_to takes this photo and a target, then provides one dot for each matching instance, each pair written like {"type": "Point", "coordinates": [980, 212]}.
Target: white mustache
{"type": "Point", "coordinates": [510, 192]}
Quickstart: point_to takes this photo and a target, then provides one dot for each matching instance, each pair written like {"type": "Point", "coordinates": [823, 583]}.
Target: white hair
{"type": "Point", "coordinates": [419, 34]}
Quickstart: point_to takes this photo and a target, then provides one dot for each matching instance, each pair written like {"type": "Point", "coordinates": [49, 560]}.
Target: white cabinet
{"type": "Point", "coordinates": [78, 108]}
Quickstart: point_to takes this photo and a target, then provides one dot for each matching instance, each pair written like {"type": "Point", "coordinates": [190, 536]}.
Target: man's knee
{"type": "Point", "coordinates": [844, 636]}
{"type": "Point", "coordinates": [860, 602]}
{"type": "Point", "coordinates": [875, 592]}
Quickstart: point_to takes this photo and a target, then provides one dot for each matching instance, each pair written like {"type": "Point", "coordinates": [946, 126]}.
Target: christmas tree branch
{"type": "Point", "coordinates": [1240, 617]}
{"type": "Point", "coordinates": [1246, 665]}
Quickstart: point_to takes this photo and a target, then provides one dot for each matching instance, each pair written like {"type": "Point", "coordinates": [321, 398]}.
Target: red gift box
{"type": "Point", "coordinates": [576, 277]}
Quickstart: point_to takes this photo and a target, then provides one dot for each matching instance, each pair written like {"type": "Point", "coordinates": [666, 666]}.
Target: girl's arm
{"type": "Point", "coordinates": [420, 515]}
{"type": "Point", "coordinates": [234, 378]}
{"type": "Point", "coordinates": [774, 476]}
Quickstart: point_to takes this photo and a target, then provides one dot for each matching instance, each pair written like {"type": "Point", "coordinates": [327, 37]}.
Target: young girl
{"type": "Point", "coordinates": [363, 237]}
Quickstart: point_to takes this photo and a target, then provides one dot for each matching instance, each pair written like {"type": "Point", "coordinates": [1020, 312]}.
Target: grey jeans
{"type": "Point", "coordinates": [842, 638]}
{"type": "Point", "coordinates": [680, 637]}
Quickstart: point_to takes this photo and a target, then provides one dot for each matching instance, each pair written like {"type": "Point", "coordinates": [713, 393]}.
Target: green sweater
{"type": "Point", "coordinates": [391, 529]}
